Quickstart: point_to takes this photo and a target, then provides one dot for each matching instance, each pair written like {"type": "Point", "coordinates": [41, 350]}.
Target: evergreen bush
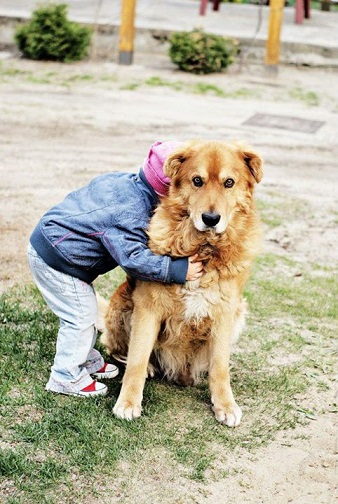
{"type": "Point", "coordinates": [201, 53]}
{"type": "Point", "coordinates": [51, 36]}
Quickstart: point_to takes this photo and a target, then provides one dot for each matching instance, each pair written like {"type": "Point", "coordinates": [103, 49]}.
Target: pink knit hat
{"type": "Point", "coordinates": [153, 166]}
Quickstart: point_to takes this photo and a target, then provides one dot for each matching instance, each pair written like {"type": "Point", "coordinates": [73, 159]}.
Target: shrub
{"type": "Point", "coordinates": [51, 36]}
{"type": "Point", "coordinates": [201, 53]}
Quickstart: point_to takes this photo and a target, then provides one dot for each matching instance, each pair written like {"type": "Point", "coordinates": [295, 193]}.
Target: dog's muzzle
{"type": "Point", "coordinates": [210, 221]}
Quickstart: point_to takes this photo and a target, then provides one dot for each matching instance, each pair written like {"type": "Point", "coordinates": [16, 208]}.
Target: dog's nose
{"type": "Point", "coordinates": [210, 219]}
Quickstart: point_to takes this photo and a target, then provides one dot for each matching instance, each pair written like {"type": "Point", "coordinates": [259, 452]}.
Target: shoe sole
{"type": "Point", "coordinates": [102, 392]}
{"type": "Point", "coordinates": [108, 375]}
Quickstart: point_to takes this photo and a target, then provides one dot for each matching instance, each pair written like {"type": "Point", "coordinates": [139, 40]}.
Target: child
{"type": "Point", "coordinates": [92, 231]}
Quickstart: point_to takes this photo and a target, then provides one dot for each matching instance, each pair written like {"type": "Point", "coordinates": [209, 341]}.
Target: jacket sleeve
{"type": "Point", "coordinates": [127, 244]}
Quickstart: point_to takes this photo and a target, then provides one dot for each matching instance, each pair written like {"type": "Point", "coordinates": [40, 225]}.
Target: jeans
{"type": "Point", "coordinates": [74, 302]}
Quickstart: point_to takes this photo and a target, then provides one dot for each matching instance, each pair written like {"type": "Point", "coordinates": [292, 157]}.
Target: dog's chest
{"type": "Point", "coordinates": [199, 301]}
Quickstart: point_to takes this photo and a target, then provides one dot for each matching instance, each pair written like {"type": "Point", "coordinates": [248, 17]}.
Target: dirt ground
{"type": "Point", "coordinates": [62, 125]}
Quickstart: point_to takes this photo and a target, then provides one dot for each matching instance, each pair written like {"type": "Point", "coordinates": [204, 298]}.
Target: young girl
{"type": "Point", "coordinates": [95, 229]}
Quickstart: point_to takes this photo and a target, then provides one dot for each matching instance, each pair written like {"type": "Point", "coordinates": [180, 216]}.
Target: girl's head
{"type": "Point", "coordinates": [153, 166]}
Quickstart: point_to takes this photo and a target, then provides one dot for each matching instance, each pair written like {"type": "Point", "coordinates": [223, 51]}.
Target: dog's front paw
{"type": "Point", "coordinates": [229, 414]}
{"type": "Point", "coordinates": [127, 410]}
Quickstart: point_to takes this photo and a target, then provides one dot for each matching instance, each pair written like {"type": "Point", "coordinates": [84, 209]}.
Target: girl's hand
{"type": "Point", "coordinates": [195, 268]}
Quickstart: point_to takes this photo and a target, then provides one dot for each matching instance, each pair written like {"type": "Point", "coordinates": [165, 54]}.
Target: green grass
{"type": "Point", "coordinates": [203, 88]}
{"type": "Point", "coordinates": [130, 87]}
{"type": "Point", "coordinates": [72, 77]}
{"type": "Point", "coordinates": [156, 81]}
{"type": "Point", "coordinates": [52, 441]}
{"type": "Point", "coordinates": [7, 73]}
{"type": "Point", "coordinates": [310, 98]}
{"type": "Point", "coordinates": [43, 76]}
{"type": "Point", "coordinates": [276, 209]}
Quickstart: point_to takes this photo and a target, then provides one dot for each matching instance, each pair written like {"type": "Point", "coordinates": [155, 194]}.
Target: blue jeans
{"type": "Point", "coordinates": [74, 302]}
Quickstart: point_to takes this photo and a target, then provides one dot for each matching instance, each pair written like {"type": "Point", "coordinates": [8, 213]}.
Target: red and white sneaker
{"type": "Point", "coordinates": [94, 389]}
{"type": "Point", "coordinates": [107, 371]}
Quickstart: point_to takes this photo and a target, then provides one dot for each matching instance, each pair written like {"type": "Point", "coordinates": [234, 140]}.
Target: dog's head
{"type": "Point", "coordinates": [213, 180]}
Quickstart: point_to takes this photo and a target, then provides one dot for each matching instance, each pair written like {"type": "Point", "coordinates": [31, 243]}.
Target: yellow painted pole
{"type": "Point", "coordinates": [127, 30]}
{"type": "Point", "coordinates": [275, 27]}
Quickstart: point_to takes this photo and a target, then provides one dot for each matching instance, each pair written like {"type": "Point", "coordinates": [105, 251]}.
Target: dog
{"type": "Point", "coordinates": [186, 331]}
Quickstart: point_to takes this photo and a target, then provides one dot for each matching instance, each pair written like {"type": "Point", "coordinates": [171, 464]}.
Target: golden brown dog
{"type": "Point", "coordinates": [186, 331]}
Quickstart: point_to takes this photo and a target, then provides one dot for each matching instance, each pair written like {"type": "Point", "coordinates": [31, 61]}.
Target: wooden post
{"type": "Point", "coordinates": [127, 30]}
{"type": "Point", "coordinates": [299, 11]}
{"type": "Point", "coordinates": [216, 5]}
{"type": "Point", "coordinates": [275, 26]}
{"type": "Point", "coordinates": [203, 7]}
{"type": "Point", "coordinates": [307, 8]}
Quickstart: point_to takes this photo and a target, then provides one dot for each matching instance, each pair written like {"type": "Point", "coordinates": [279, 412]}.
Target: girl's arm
{"type": "Point", "coordinates": [131, 252]}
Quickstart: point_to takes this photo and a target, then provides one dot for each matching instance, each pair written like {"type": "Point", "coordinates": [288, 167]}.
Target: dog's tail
{"type": "Point", "coordinates": [102, 308]}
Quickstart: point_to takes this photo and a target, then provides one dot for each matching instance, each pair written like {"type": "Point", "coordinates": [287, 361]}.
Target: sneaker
{"type": "Point", "coordinates": [107, 371]}
{"type": "Point", "coordinates": [94, 389]}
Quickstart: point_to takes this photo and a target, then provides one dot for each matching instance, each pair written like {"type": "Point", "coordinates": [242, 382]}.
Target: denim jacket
{"type": "Point", "coordinates": [103, 225]}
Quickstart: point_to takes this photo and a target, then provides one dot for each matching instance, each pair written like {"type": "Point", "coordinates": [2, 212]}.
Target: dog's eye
{"type": "Point", "coordinates": [229, 182]}
{"type": "Point", "coordinates": [197, 181]}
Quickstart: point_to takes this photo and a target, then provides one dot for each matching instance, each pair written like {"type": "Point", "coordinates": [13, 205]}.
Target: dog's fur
{"type": "Point", "coordinates": [186, 330]}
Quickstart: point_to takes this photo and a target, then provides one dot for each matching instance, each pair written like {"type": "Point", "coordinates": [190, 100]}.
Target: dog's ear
{"type": "Point", "coordinates": [173, 163]}
{"type": "Point", "coordinates": [175, 160]}
{"type": "Point", "coordinates": [253, 161]}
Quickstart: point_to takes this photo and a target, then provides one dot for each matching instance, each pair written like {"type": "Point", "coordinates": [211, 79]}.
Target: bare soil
{"type": "Point", "coordinates": [62, 125]}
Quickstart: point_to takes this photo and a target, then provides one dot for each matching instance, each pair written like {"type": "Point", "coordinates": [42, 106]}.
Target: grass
{"type": "Point", "coordinates": [277, 208]}
{"type": "Point", "coordinates": [44, 76]}
{"type": "Point", "coordinates": [203, 88]}
{"type": "Point", "coordinates": [310, 98]}
{"type": "Point", "coordinates": [156, 81]}
{"type": "Point", "coordinates": [70, 77]}
{"type": "Point", "coordinates": [51, 442]}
